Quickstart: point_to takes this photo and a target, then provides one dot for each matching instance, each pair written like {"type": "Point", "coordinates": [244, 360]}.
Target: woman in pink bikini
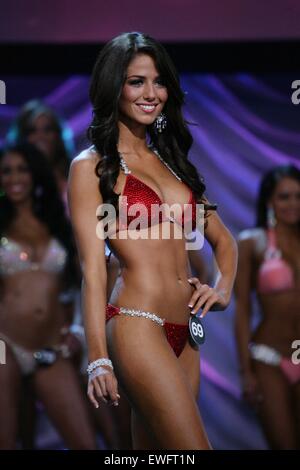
{"type": "Point", "coordinates": [141, 338]}
{"type": "Point", "coordinates": [269, 263]}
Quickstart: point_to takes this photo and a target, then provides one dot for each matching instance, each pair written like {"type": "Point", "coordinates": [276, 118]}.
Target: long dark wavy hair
{"type": "Point", "coordinates": [267, 188]}
{"type": "Point", "coordinates": [47, 205]}
{"type": "Point", "coordinates": [106, 86]}
{"type": "Point", "coordinates": [22, 127]}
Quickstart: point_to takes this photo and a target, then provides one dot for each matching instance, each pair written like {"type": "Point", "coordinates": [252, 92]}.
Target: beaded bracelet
{"type": "Point", "coordinates": [103, 361]}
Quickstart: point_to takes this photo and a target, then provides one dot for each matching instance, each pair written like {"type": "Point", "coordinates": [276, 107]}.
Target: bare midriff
{"type": "Point", "coordinates": [30, 311]}
{"type": "Point", "coordinates": [280, 324]}
{"type": "Point", "coordinates": [154, 274]}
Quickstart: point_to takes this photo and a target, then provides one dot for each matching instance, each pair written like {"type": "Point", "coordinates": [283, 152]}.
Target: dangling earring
{"type": "Point", "coordinates": [160, 123]}
{"type": "Point", "coordinates": [271, 219]}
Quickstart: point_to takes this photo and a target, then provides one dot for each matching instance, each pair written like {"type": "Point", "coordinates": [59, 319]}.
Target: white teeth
{"type": "Point", "coordinates": [146, 107]}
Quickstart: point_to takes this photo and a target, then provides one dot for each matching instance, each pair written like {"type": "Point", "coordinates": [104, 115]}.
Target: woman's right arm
{"type": "Point", "coordinates": [242, 289]}
{"type": "Point", "coordinates": [84, 198]}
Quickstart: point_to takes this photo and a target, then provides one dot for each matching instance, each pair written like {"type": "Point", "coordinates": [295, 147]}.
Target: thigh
{"type": "Point", "coordinates": [189, 360]}
{"type": "Point", "coordinates": [58, 388]}
{"type": "Point", "coordinates": [155, 383]}
{"type": "Point", "coordinates": [275, 410]}
{"type": "Point", "coordinates": [10, 383]}
{"type": "Point", "coordinates": [142, 436]}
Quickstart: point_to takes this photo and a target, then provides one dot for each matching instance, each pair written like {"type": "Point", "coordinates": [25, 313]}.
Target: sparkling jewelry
{"type": "Point", "coordinates": [96, 372]}
{"type": "Point", "coordinates": [103, 361]}
{"type": "Point", "coordinates": [154, 150]}
{"type": "Point", "coordinates": [124, 165]}
{"type": "Point", "coordinates": [126, 170]}
{"type": "Point", "coordinates": [141, 313]}
{"type": "Point", "coordinates": [160, 123]}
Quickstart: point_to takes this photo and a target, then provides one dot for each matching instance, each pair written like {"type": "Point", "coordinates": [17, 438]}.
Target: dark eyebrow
{"type": "Point", "coordinates": [141, 76]}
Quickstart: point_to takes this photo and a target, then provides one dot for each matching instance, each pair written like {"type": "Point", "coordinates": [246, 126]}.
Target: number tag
{"type": "Point", "coordinates": [196, 330]}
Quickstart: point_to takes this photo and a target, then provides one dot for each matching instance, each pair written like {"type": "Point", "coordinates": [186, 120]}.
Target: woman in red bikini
{"type": "Point", "coordinates": [141, 337]}
{"type": "Point", "coordinates": [269, 263]}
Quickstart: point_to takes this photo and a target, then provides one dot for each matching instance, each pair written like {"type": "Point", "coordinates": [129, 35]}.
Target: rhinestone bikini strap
{"type": "Point", "coordinates": [126, 170]}
{"type": "Point", "coordinates": [123, 165]}
{"type": "Point", "coordinates": [154, 150]}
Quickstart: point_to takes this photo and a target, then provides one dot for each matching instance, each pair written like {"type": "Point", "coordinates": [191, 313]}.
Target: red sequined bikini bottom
{"type": "Point", "coordinates": [177, 334]}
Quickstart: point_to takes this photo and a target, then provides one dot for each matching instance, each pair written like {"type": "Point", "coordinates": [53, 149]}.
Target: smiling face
{"type": "Point", "coordinates": [286, 201]}
{"type": "Point", "coordinates": [15, 177]}
{"type": "Point", "coordinates": [144, 95]}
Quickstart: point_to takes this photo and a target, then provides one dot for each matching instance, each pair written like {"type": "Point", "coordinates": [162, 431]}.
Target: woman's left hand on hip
{"type": "Point", "coordinates": [205, 297]}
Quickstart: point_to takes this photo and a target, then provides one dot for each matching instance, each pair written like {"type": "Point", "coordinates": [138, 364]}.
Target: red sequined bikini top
{"type": "Point", "coordinates": [142, 204]}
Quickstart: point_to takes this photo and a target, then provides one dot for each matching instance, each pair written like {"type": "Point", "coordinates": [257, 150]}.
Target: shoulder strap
{"type": "Point", "coordinates": [272, 251]}
{"type": "Point", "coordinates": [154, 150]}
{"type": "Point", "coordinates": [126, 170]}
{"type": "Point", "coordinates": [123, 165]}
